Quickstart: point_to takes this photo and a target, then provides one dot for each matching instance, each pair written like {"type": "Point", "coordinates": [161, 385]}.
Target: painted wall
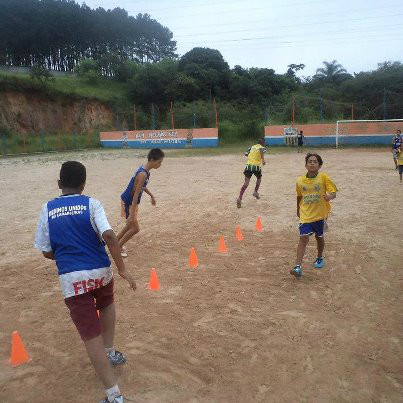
{"type": "Point", "coordinates": [358, 133]}
{"type": "Point", "coordinates": [169, 138]}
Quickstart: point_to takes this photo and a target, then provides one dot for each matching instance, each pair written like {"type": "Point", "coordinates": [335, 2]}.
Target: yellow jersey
{"type": "Point", "coordinates": [400, 157]}
{"type": "Point", "coordinates": [254, 156]}
{"type": "Point", "coordinates": [313, 207]}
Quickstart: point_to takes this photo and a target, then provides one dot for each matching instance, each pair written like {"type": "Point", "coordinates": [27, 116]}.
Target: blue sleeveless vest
{"type": "Point", "coordinates": [127, 195]}
{"type": "Point", "coordinates": [74, 242]}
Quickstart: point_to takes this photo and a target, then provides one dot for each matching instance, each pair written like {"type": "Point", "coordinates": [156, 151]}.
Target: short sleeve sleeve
{"type": "Point", "coordinates": [297, 189]}
{"type": "Point", "coordinates": [330, 186]}
{"type": "Point", "coordinates": [98, 217]}
{"type": "Point", "coordinates": [42, 239]}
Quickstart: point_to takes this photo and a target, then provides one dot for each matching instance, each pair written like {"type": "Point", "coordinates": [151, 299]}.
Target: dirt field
{"type": "Point", "coordinates": [237, 329]}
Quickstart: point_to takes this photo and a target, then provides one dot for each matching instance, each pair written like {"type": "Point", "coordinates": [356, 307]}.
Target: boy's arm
{"type": "Point", "coordinates": [330, 196]}
{"type": "Point", "coordinates": [330, 189]}
{"type": "Point", "coordinates": [262, 156]}
{"type": "Point", "coordinates": [114, 248]}
{"type": "Point", "coordinates": [299, 198]}
{"type": "Point", "coordinates": [49, 255]}
{"type": "Point", "coordinates": [42, 239]}
{"type": "Point", "coordinates": [138, 186]}
{"type": "Point", "coordinates": [153, 202]}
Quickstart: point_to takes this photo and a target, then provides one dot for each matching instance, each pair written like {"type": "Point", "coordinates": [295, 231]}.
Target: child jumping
{"type": "Point", "coordinates": [72, 230]}
{"type": "Point", "coordinates": [131, 197]}
{"type": "Point", "coordinates": [255, 156]}
{"type": "Point", "coordinates": [314, 191]}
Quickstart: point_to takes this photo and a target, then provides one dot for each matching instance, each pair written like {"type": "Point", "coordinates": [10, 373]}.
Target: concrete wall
{"type": "Point", "coordinates": [168, 138]}
{"type": "Point", "coordinates": [357, 133]}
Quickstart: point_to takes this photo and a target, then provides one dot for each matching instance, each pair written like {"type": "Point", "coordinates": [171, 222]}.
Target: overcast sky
{"type": "Point", "coordinates": [275, 33]}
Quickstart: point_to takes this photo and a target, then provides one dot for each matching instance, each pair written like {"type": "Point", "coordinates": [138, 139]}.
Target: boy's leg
{"type": "Point", "coordinates": [320, 240]}
{"type": "Point", "coordinates": [258, 181]}
{"type": "Point", "coordinates": [96, 352]}
{"type": "Point", "coordinates": [84, 315]}
{"type": "Point", "coordinates": [303, 241]}
{"type": "Point", "coordinates": [131, 227]}
{"type": "Point", "coordinates": [243, 188]}
{"type": "Point", "coordinates": [107, 318]}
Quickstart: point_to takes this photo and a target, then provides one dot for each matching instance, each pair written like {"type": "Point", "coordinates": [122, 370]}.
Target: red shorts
{"type": "Point", "coordinates": [83, 310]}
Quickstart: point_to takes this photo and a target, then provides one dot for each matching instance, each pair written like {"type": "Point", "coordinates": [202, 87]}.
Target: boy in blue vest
{"type": "Point", "coordinates": [131, 197]}
{"type": "Point", "coordinates": [72, 230]}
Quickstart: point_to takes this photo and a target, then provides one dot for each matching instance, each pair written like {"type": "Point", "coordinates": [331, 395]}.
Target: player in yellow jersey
{"type": "Point", "coordinates": [400, 162]}
{"type": "Point", "coordinates": [314, 191]}
{"type": "Point", "coordinates": [255, 156]}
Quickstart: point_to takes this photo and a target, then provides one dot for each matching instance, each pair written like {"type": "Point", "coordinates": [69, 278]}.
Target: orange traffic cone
{"type": "Point", "coordinates": [221, 245]}
{"type": "Point", "coordinates": [18, 353]}
{"type": "Point", "coordinates": [154, 282]}
{"type": "Point", "coordinates": [238, 233]}
{"type": "Point", "coordinates": [259, 226]}
{"type": "Point", "coordinates": [193, 261]}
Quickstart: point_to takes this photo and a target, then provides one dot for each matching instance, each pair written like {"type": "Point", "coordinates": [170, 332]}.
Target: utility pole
{"type": "Point", "coordinates": [384, 103]}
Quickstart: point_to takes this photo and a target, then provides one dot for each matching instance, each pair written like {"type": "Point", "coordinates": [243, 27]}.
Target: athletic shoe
{"type": "Point", "coordinates": [319, 262]}
{"type": "Point", "coordinates": [118, 399]}
{"type": "Point", "coordinates": [296, 271]}
{"type": "Point", "coordinates": [239, 202]}
{"type": "Point", "coordinates": [123, 252]}
{"type": "Point", "coordinates": [256, 194]}
{"type": "Point", "coordinates": [116, 359]}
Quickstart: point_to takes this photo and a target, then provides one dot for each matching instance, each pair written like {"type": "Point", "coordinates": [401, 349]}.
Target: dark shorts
{"type": "Point", "coordinates": [300, 143]}
{"type": "Point", "coordinates": [315, 227]}
{"type": "Point", "coordinates": [249, 171]}
{"type": "Point", "coordinates": [83, 310]}
{"type": "Point", "coordinates": [400, 169]}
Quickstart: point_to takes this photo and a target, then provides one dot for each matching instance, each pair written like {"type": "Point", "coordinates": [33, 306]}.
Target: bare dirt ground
{"type": "Point", "coordinates": [238, 328]}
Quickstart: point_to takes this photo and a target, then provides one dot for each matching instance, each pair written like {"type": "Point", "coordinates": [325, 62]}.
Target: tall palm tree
{"type": "Point", "coordinates": [331, 70]}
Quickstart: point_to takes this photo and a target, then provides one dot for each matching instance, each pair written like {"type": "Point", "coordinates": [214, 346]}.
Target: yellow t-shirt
{"type": "Point", "coordinates": [254, 157]}
{"type": "Point", "coordinates": [400, 157]}
{"type": "Point", "coordinates": [313, 207]}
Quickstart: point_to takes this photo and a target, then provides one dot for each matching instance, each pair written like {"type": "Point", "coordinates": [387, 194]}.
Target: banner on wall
{"type": "Point", "coordinates": [167, 138]}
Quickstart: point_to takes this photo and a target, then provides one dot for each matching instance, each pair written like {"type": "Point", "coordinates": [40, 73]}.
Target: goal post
{"type": "Point", "coordinates": [370, 128]}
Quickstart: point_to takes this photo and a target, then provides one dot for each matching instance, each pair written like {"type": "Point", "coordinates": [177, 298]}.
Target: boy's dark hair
{"type": "Point", "coordinates": [300, 132]}
{"type": "Point", "coordinates": [72, 174]}
{"type": "Point", "coordinates": [155, 154]}
{"type": "Point", "coordinates": [262, 141]}
{"type": "Point", "coordinates": [318, 157]}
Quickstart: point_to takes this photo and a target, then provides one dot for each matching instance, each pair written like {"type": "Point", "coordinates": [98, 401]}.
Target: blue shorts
{"type": "Point", "coordinates": [400, 169]}
{"type": "Point", "coordinates": [315, 227]}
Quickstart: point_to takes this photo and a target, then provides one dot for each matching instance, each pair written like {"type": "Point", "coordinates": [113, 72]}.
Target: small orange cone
{"type": "Point", "coordinates": [154, 282]}
{"type": "Point", "coordinates": [221, 245]}
{"type": "Point", "coordinates": [238, 233]}
{"type": "Point", "coordinates": [259, 226]}
{"type": "Point", "coordinates": [193, 261]}
{"type": "Point", "coordinates": [18, 353]}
